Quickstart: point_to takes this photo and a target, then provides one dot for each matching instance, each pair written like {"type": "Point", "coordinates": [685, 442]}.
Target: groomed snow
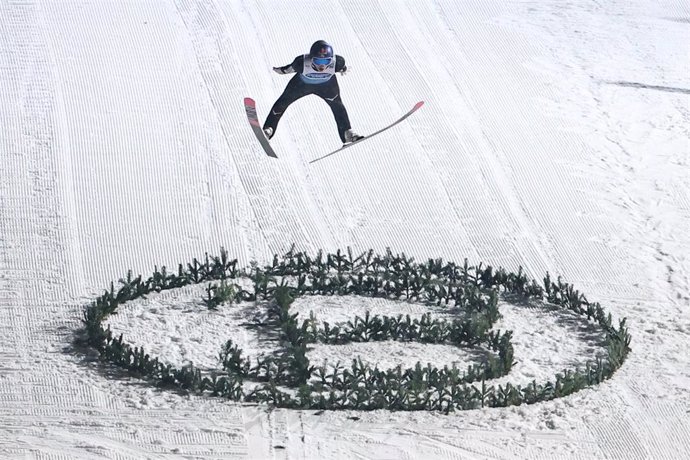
{"type": "Point", "coordinates": [554, 136]}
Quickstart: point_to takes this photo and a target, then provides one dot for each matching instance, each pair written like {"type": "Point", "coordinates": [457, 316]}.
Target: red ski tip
{"type": "Point", "coordinates": [249, 101]}
{"type": "Point", "coordinates": [418, 105]}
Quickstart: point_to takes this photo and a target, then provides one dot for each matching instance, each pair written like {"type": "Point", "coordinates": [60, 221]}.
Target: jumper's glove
{"type": "Point", "coordinates": [283, 70]}
{"type": "Point", "coordinates": [344, 70]}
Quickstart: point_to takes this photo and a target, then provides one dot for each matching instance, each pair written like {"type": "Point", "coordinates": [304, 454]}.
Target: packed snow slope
{"type": "Point", "coordinates": [554, 137]}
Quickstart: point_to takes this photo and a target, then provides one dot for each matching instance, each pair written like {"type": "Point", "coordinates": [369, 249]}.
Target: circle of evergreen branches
{"type": "Point", "coordinates": [288, 379]}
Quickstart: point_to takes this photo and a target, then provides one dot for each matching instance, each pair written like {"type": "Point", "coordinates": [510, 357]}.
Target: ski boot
{"type": "Point", "coordinates": [351, 136]}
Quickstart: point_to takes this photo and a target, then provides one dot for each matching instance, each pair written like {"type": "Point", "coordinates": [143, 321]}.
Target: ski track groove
{"type": "Point", "coordinates": [31, 264]}
{"type": "Point", "coordinates": [448, 142]}
{"type": "Point", "coordinates": [482, 190]}
{"type": "Point", "coordinates": [424, 145]}
{"type": "Point", "coordinates": [552, 195]}
{"type": "Point", "coordinates": [677, 429]}
{"type": "Point", "coordinates": [402, 162]}
{"type": "Point", "coordinates": [308, 216]}
{"type": "Point", "coordinates": [38, 223]}
{"type": "Point", "coordinates": [197, 20]}
{"type": "Point", "coordinates": [100, 97]}
{"type": "Point", "coordinates": [617, 433]}
{"type": "Point", "coordinates": [490, 147]}
{"type": "Point", "coordinates": [298, 226]}
{"type": "Point", "coordinates": [133, 148]}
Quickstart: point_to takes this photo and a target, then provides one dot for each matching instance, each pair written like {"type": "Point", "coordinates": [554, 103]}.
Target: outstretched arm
{"type": "Point", "coordinates": [295, 66]}
{"type": "Point", "coordinates": [340, 64]}
{"type": "Point", "coordinates": [285, 69]}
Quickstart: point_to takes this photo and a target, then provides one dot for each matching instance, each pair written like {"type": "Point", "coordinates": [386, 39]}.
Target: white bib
{"type": "Point", "coordinates": [314, 77]}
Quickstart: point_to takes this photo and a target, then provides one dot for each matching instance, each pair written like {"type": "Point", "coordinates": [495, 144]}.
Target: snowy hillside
{"type": "Point", "coordinates": [555, 137]}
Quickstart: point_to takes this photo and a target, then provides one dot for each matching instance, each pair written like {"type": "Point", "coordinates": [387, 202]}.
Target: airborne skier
{"type": "Point", "coordinates": [315, 74]}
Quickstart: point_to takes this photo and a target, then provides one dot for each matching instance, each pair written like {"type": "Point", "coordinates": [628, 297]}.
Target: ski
{"type": "Point", "coordinates": [414, 109]}
{"type": "Point", "coordinates": [250, 107]}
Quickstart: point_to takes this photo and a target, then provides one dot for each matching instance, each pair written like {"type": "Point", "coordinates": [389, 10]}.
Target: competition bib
{"type": "Point", "coordinates": [312, 76]}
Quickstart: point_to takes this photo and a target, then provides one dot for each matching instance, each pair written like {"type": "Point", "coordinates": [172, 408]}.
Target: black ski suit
{"type": "Point", "coordinates": [297, 88]}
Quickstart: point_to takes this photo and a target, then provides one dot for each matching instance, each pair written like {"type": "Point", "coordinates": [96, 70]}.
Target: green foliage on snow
{"type": "Point", "coordinates": [218, 294]}
{"type": "Point", "coordinates": [287, 378]}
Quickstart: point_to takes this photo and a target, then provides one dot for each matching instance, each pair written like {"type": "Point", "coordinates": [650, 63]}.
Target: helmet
{"type": "Point", "coordinates": [321, 49]}
{"type": "Point", "coordinates": [321, 54]}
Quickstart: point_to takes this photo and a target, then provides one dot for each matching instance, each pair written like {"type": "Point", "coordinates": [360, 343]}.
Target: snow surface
{"type": "Point", "coordinates": [555, 136]}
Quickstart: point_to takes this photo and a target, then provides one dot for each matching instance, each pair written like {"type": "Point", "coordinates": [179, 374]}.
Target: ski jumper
{"type": "Point", "coordinates": [311, 80]}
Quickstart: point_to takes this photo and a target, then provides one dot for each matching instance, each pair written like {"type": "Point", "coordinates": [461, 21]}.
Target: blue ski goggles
{"type": "Point", "coordinates": [322, 61]}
